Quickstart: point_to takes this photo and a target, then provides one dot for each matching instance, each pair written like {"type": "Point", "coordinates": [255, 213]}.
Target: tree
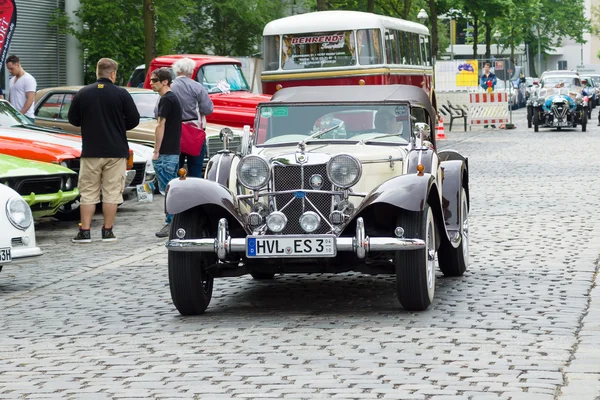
{"type": "Point", "coordinates": [115, 29]}
{"type": "Point", "coordinates": [149, 32]}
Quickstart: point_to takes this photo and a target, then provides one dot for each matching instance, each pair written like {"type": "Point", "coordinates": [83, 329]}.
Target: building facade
{"type": "Point", "coordinates": [52, 58]}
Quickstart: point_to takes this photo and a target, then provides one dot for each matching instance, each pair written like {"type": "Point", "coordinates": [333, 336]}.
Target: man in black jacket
{"type": "Point", "coordinates": [104, 112]}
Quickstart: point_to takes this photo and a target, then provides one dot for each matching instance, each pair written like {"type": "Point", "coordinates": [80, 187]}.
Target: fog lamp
{"type": "Point", "coordinates": [399, 232]}
{"type": "Point", "coordinates": [254, 219]}
{"type": "Point", "coordinates": [310, 221]}
{"type": "Point", "coordinates": [180, 233]}
{"type": "Point", "coordinates": [336, 217]}
{"type": "Point", "coordinates": [276, 221]}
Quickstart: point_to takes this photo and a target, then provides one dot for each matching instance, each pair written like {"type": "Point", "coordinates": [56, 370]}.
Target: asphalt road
{"type": "Point", "coordinates": [96, 321]}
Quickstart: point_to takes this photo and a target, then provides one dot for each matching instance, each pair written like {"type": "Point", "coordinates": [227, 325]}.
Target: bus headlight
{"type": "Point", "coordinates": [18, 213]}
{"type": "Point", "coordinates": [344, 170]}
{"type": "Point", "coordinates": [253, 172]}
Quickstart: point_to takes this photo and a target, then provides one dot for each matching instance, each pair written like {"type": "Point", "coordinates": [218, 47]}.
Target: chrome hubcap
{"type": "Point", "coordinates": [465, 230]}
{"type": "Point", "coordinates": [430, 257]}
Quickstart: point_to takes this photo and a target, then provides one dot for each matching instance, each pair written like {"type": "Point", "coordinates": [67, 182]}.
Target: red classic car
{"type": "Point", "coordinates": [234, 107]}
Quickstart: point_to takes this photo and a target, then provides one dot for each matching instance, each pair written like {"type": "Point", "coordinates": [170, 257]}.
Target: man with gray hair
{"type": "Point", "coordinates": [195, 105]}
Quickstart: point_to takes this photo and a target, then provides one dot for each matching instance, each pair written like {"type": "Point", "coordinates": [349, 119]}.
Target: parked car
{"type": "Point", "coordinates": [23, 139]}
{"type": "Point", "coordinates": [137, 77]}
{"type": "Point", "coordinates": [52, 107]}
{"type": "Point", "coordinates": [227, 87]}
{"type": "Point", "coordinates": [334, 179]}
{"type": "Point", "coordinates": [17, 231]}
{"type": "Point", "coordinates": [44, 186]}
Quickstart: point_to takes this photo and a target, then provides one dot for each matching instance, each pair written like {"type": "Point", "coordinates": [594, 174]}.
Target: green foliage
{"type": "Point", "coordinates": [228, 27]}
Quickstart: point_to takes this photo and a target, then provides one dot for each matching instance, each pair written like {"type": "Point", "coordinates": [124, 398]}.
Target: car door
{"type": "Point", "coordinates": [53, 111]}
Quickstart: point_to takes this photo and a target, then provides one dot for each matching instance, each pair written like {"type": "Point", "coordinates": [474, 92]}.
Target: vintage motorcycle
{"type": "Point", "coordinates": [558, 108]}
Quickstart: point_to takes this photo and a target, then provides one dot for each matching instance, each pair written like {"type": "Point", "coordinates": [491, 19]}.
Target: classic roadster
{"type": "Point", "coordinates": [334, 179]}
{"type": "Point", "coordinates": [558, 105]}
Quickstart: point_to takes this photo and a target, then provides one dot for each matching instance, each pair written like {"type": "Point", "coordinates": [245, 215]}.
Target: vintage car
{"type": "Point", "coordinates": [44, 186]}
{"type": "Point", "coordinates": [334, 179]}
{"type": "Point", "coordinates": [52, 107]}
{"type": "Point", "coordinates": [17, 231]}
{"type": "Point", "coordinates": [235, 105]}
{"type": "Point", "coordinates": [558, 103]}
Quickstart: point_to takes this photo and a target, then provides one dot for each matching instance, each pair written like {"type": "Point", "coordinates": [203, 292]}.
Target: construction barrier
{"type": "Point", "coordinates": [488, 108]}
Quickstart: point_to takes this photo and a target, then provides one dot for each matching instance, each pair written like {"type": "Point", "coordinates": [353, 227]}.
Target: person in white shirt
{"type": "Point", "coordinates": [22, 87]}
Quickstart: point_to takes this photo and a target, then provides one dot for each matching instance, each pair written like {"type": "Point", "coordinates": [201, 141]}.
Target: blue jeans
{"type": "Point", "coordinates": [194, 163]}
{"type": "Point", "coordinates": [166, 169]}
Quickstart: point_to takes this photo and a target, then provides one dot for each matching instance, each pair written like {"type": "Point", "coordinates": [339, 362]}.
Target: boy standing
{"type": "Point", "coordinates": [167, 136]}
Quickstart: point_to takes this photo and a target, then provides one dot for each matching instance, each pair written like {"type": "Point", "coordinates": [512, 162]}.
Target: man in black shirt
{"type": "Point", "coordinates": [167, 135]}
{"type": "Point", "coordinates": [104, 112]}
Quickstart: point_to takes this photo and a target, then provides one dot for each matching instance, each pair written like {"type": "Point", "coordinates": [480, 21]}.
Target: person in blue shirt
{"type": "Point", "coordinates": [487, 76]}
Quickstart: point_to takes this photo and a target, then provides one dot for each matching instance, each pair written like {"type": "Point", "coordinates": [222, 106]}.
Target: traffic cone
{"type": "Point", "coordinates": [440, 134]}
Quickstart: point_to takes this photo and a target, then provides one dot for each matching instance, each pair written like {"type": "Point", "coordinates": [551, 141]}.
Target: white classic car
{"type": "Point", "coordinates": [17, 233]}
{"type": "Point", "coordinates": [335, 179]}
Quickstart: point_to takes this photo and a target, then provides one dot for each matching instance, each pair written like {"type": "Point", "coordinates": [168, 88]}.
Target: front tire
{"type": "Point", "coordinates": [529, 116]}
{"type": "Point", "coordinates": [536, 120]}
{"type": "Point", "coordinates": [190, 283]}
{"type": "Point", "coordinates": [415, 269]}
{"type": "Point", "coordinates": [69, 212]}
{"type": "Point", "coordinates": [262, 276]}
{"type": "Point", "coordinates": [584, 121]}
{"type": "Point", "coordinates": [455, 261]}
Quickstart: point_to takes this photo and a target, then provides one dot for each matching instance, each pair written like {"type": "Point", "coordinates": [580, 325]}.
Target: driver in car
{"type": "Point", "coordinates": [386, 122]}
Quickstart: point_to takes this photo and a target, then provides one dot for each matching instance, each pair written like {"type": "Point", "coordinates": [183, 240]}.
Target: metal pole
{"type": "Point", "coordinates": [539, 52]}
{"type": "Point", "coordinates": [451, 39]}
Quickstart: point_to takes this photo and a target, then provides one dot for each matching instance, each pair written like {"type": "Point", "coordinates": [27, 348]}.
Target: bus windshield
{"type": "Point", "coordinates": [291, 123]}
{"type": "Point", "coordinates": [317, 50]}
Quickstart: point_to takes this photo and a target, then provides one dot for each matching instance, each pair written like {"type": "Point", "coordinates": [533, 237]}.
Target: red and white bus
{"type": "Point", "coordinates": [346, 48]}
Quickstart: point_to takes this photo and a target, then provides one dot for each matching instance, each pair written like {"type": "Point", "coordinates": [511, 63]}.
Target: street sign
{"type": "Point", "coordinates": [510, 71]}
{"type": "Point", "coordinates": [499, 66]}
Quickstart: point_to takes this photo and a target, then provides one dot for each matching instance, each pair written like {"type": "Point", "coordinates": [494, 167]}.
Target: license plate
{"type": "Point", "coordinates": [290, 246]}
{"type": "Point", "coordinates": [5, 255]}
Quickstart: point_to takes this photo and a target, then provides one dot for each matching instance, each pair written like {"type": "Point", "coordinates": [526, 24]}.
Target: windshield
{"type": "Point", "coordinates": [317, 50]}
{"type": "Point", "coordinates": [222, 77]}
{"type": "Point", "coordinates": [9, 116]}
{"type": "Point", "coordinates": [356, 122]}
{"type": "Point", "coordinates": [561, 81]}
{"type": "Point", "coordinates": [145, 103]}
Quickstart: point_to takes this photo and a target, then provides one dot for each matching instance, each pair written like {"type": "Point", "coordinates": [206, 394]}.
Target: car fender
{"type": "Point", "coordinates": [216, 200]}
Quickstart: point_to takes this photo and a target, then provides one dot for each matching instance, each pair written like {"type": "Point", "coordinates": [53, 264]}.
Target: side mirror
{"type": "Point", "coordinates": [246, 146]}
{"type": "Point", "coordinates": [226, 135]}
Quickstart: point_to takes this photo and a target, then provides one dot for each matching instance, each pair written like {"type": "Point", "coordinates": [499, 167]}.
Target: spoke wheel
{"type": "Point", "coordinates": [455, 261]}
{"type": "Point", "coordinates": [190, 283]}
{"type": "Point", "coordinates": [415, 269]}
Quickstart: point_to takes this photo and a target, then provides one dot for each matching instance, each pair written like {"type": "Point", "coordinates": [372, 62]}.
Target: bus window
{"type": "Point", "coordinates": [416, 48]}
{"type": "Point", "coordinates": [391, 47]}
{"type": "Point", "coordinates": [317, 50]}
{"type": "Point", "coordinates": [408, 48]}
{"type": "Point", "coordinates": [401, 47]}
{"type": "Point", "coordinates": [271, 51]}
{"type": "Point", "coordinates": [426, 57]}
{"type": "Point", "coordinates": [369, 47]}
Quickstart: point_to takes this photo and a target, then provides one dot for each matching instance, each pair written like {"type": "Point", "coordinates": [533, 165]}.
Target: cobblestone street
{"type": "Point", "coordinates": [97, 322]}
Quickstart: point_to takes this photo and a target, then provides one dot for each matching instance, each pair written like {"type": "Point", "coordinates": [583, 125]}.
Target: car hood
{"type": "Point", "coordinates": [364, 153]}
{"type": "Point", "coordinates": [238, 99]}
{"type": "Point", "coordinates": [146, 126]}
{"type": "Point", "coordinates": [51, 150]}
{"type": "Point", "coordinates": [13, 166]}
{"type": "Point", "coordinates": [70, 140]}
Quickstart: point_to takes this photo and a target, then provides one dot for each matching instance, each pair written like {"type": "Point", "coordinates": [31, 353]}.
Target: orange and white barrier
{"type": "Point", "coordinates": [488, 108]}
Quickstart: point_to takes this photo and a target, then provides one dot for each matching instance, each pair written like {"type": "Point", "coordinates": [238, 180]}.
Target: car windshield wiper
{"type": "Point", "coordinates": [316, 135]}
{"type": "Point", "coordinates": [379, 137]}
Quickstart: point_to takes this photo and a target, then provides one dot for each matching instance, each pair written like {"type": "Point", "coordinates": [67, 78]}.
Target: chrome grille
{"type": "Point", "coordinates": [214, 144]}
{"type": "Point", "coordinates": [140, 174]}
{"type": "Point", "coordinates": [560, 110]}
{"type": "Point", "coordinates": [293, 178]}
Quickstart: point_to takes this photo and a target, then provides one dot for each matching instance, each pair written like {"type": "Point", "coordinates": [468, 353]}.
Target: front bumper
{"type": "Point", "coordinates": [23, 253]}
{"type": "Point", "coordinates": [360, 244]}
{"type": "Point", "coordinates": [49, 204]}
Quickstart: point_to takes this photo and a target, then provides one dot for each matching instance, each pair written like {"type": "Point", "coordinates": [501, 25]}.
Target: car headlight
{"type": "Point", "coordinates": [69, 183]}
{"type": "Point", "coordinates": [344, 170]}
{"type": "Point", "coordinates": [18, 213]}
{"type": "Point", "coordinates": [64, 164]}
{"type": "Point", "coordinates": [253, 172]}
{"type": "Point", "coordinates": [276, 221]}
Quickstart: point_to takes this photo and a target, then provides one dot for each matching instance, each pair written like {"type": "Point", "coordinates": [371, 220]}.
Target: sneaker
{"type": "Point", "coordinates": [164, 232]}
{"type": "Point", "coordinates": [83, 236]}
{"type": "Point", "coordinates": [108, 235]}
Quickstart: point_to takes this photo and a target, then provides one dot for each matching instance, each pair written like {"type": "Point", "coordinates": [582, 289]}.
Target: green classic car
{"type": "Point", "coordinates": [44, 186]}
